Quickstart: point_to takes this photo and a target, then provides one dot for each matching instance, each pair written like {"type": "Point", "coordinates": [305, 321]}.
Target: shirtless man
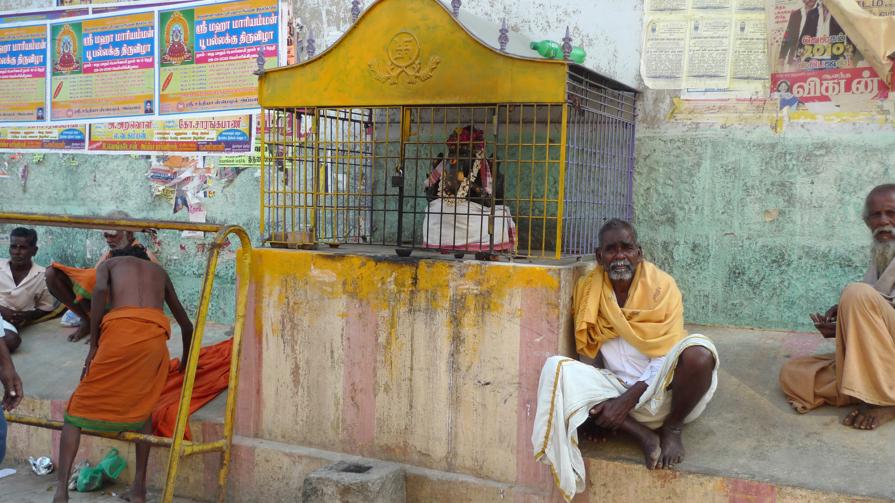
{"type": "Point", "coordinates": [72, 286]}
{"type": "Point", "coordinates": [127, 366]}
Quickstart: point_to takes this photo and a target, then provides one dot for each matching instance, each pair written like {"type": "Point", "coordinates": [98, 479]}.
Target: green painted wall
{"type": "Point", "coordinates": [759, 229]}
{"type": "Point", "coordinates": [94, 185]}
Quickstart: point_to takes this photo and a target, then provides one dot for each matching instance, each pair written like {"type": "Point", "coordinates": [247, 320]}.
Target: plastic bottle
{"type": "Point", "coordinates": [578, 55]}
{"type": "Point", "coordinates": [547, 49]}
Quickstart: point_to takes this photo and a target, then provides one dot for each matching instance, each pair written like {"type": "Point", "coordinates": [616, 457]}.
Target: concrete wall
{"type": "Point", "coordinates": [608, 30]}
{"type": "Point", "coordinates": [95, 185]}
{"type": "Point", "coordinates": [431, 363]}
{"type": "Point", "coordinates": [758, 228]}
{"type": "Point", "coordinates": [92, 185]}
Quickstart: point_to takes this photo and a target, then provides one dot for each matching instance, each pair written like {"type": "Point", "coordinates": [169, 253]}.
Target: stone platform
{"type": "Point", "coordinates": [433, 365]}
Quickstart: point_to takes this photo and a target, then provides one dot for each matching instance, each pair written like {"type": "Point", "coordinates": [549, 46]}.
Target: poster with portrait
{"type": "Point", "coordinates": [208, 53]}
{"type": "Point", "coordinates": [23, 73]}
{"type": "Point", "coordinates": [103, 67]}
{"type": "Point", "coordinates": [814, 64]}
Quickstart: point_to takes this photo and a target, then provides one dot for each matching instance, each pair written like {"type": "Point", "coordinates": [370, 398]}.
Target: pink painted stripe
{"type": "Point", "coordinates": [249, 400]}
{"type": "Point", "coordinates": [359, 377]}
{"type": "Point", "coordinates": [748, 491]}
{"type": "Point", "coordinates": [538, 340]}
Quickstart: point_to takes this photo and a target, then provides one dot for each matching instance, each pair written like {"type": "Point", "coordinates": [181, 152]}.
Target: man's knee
{"type": "Point", "coordinates": [12, 340]}
{"type": "Point", "coordinates": [697, 358]}
{"type": "Point", "coordinates": [858, 294]}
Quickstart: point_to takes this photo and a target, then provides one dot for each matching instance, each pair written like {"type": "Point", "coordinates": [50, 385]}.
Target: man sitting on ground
{"type": "Point", "coordinates": [24, 297]}
{"type": "Point", "coordinates": [653, 376]}
{"type": "Point", "coordinates": [127, 365]}
{"type": "Point", "coordinates": [73, 285]}
{"type": "Point", "coordinates": [862, 371]}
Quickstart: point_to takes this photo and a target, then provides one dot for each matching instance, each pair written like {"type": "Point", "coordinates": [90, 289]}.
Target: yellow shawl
{"type": "Point", "coordinates": [652, 320]}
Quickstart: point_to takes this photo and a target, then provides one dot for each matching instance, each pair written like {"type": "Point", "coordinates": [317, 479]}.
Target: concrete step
{"type": "Point", "coordinates": [750, 445]}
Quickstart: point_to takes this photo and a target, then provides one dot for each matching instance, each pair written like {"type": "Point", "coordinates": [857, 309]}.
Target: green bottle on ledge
{"type": "Point", "coordinates": [577, 55]}
{"type": "Point", "coordinates": [547, 49]}
{"type": "Point", "coordinates": [552, 50]}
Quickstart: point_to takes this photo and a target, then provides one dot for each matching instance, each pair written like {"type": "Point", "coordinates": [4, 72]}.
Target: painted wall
{"type": "Point", "coordinates": [432, 363]}
{"type": "Point", "coordinates": [759, 228]}
{"type": "Point", "coordinates": [95, 185]}
{"type": "Point", "coordinates": [608, 30]}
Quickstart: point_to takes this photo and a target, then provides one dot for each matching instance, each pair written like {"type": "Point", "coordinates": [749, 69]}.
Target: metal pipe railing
{"type": "Point", "coordinates": [179, 447]}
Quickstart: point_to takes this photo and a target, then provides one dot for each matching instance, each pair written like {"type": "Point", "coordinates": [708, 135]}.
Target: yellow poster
{"type": "Point", "coordinates": [103, 67]}
{"type": "Point", "coordinates": [23, 73]}
{"type": "Point", "coordinates": [207, 55]}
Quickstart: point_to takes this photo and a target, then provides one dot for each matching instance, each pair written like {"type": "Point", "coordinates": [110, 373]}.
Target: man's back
{"type": "Point", "coordinates": [136, 282]}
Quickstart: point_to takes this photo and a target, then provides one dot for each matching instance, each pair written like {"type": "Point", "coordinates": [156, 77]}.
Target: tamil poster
{"type": "Point", "coordinates": [815, 65]}
{"type": "Point", "coordinates": [207, 55]}
{"type": "Point", "coordinates": [705, 44]}
{"type": "Point", "coordinates": [23, 73]}
{"type": "Point", "coordinates": [54, 137]}
{"type": "Point", "coordinates": [223, 135]}
{"type": "Point", "coordinates": [103, 67]}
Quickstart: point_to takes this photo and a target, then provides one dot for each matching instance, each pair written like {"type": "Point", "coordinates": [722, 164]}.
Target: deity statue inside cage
{"type": "Point", "coordinates": [461, 199]}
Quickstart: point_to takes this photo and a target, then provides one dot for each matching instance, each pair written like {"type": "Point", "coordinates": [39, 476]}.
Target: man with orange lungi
{"type": "Point", "coordinates": [127, 365]}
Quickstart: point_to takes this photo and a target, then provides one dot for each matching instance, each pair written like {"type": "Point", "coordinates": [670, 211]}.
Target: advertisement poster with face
{"type": "Point", "coordinates": [815, 66]}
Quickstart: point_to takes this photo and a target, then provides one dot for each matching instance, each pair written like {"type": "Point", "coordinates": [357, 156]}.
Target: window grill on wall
{"type": "Point", "coordinates": [510, 178]}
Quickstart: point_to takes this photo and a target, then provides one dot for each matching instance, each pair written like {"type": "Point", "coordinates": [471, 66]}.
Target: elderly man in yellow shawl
{"type": "Point", "coordinates": [651, 377]}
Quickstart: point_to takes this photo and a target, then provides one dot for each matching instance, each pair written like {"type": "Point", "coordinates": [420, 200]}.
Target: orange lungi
{"type": "Point", "coordinates": [82, 280]}
{"type": "Point", "coordinates": [861, 368]}
{"type": "Point", "coordinates": [127, 374]}
{"type": "Point", "coordinates": [212, 377]}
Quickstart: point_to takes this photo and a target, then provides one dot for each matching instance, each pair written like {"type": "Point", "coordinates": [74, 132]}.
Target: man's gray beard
{"type": "Point", "coordinates": [882, 253]}
{"type": "Point", "coordinates": [621, 275]}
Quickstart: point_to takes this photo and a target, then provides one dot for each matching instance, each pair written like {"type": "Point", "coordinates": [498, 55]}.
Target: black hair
{"type": "Point", "coordinates": [137, 251]}
{"type": "Point", "coordinates": [615, 224]}
{"type": "Point", "coordinates": [25, 232]}
{"type": "Point", "coordinates": [886, 187]}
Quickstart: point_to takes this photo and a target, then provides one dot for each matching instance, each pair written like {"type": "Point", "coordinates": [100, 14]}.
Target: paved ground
{"type": "Point", "coordinates": [750, 431]}
{"type": "Point", "coordinates": [26, 487]}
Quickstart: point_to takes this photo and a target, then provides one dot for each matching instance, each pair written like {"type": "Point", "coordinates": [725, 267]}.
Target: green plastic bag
{"type": "Point", "coordinates": [91, 477]}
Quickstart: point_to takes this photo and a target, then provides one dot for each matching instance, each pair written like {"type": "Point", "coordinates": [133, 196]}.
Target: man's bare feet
{"type": "Point", "coordinates": [672, 446]}
{"type": "Point", "coordinates": [590, 431]}
{"type": "Point", "coordinates": [82, 331]}
{"type": "Point", "coordinates": [652, 450]}
{"type": "Point", "coordinates": [60, 497]}
{"type": "Point", "coordinates": [868, 417]}
{"type": "Point", "coordinates": [135, 495]}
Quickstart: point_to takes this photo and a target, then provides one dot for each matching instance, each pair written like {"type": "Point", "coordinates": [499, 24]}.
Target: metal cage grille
{"type": "Point", "coordinates": [512, 180]}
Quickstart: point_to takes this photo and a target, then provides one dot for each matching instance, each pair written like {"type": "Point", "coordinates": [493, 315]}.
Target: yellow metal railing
{"type": "Point", "coordinates": [179, 447]}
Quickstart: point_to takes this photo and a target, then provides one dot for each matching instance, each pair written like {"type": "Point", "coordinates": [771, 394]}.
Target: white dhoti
{"type": "Point", "coordinates": [568, 389]}
{"type": "Point", "coordinates": [461, 224]}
